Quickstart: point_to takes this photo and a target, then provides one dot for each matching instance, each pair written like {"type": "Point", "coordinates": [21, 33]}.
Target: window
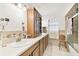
{"type": "Point", "coordinates": [53, 26]}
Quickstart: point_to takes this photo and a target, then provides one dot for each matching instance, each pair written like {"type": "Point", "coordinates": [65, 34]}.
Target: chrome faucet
{"type": "Point", "coordinates": [18, 37]}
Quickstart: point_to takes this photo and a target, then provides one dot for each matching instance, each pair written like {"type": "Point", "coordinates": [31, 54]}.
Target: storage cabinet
{"type": "Point", "coordinates": [38, 48]}
{"type": "Point", "coordinates": [46, 41]}
{"type": "Point", "coordinates": [41, 47]}
{"type": "Point", "coordinates": [43, 44]}
{"type": "Point", "coordinates": [30, 51]}
{"type": "Point", "coordinates": [33, 22]}
{"type": "Point", "coordinates": [36, 52]}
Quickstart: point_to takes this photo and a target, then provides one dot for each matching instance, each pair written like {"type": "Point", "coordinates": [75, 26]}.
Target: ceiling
{"type": "Point", "coordinates": [51, 10]}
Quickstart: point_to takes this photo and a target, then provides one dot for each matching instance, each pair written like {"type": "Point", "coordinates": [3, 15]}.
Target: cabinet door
{"type": "Point", "coordinates": [30, 22]}
{"type": "Point", "coordinates": [36, 52]}
{"type": "Point", "coordinates": [43, 44]}
{"type": "Point", "coordinates": [31, 50]}
{"type": "Point", "coordinates": [41, 47]}
{"type": "Point", "coordinates": [33, 22]}
{"type": "Point", "coordinates": [46, 41]}
{"type": "Point", "coordinates": [27, 52]}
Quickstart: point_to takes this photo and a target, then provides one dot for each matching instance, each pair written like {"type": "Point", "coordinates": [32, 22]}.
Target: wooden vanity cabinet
{"type": "Point", "coordinates": [46, 41]}
{"type": "Point", "coordinates": [43, 44]}
{"type": "Point", "coordinates": [38, 48]}
{"type": "Point", "coordinates": [36, 52]}
{"type": "Point", "coordinates": [41, 47]}
{"type": "Point", "coordinates": [33, 23]}
{"type": "Point", "coordinates": [31, 50]}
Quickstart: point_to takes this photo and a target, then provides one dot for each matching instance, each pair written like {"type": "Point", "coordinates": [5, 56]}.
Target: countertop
{"type": "Point", "coordinates": [12, 51]}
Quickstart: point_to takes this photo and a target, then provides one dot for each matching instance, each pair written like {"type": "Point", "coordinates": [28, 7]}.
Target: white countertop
{"type": "Point", "coordinates": [11, 51]}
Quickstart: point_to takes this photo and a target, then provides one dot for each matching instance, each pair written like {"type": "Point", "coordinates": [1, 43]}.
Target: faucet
{"type": "Point", "coordinates": [18, 37]}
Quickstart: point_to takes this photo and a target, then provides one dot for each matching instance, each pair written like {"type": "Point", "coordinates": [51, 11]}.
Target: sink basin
{"type": "Point", "coordinates": [22, 43]}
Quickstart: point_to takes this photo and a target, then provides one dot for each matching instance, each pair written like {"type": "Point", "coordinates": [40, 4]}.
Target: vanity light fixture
{"type": "Point", "coordinates": [4, 22]}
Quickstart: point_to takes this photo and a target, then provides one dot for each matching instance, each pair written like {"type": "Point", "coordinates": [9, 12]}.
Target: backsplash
{"type": "Point", "coordinates": [62, 32]}
{"type": "Point", "coordinates": [8, 36]}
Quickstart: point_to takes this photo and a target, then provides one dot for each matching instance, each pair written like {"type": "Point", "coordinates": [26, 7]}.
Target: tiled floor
{"type": "Point", "coordinates": [53, 50]}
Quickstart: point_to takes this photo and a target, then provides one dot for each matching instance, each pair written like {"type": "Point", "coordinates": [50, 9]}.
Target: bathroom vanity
{"type": "Point", "coordinates": [26, 47]}
{"type": "Point", "coordinates": [38, 48]}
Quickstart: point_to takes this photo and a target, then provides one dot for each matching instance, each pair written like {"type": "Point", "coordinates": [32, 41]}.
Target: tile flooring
{"type": "Point", "coordinates": [53, 50]}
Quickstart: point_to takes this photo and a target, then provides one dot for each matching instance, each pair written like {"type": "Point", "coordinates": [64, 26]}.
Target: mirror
{"type": "Point", "coordinates": [72, 32]}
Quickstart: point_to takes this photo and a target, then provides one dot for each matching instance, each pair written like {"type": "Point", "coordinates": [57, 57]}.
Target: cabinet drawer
{"type": "Point", "coordinates": [26, 53]}
{"type": "Point", "coordinates": [30, 50]}
{"type": "Point", "coordinates": [36, 52]}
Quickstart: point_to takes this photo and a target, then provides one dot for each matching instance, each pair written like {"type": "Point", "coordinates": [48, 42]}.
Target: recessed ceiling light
{"type": "Point", "coordinates": [19, 5]}
{"type": "Point", "coordinates": [24, 8]}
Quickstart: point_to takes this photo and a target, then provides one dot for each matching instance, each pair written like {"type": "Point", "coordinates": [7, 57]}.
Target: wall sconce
{"type": "Point", "coordinates": [7, 19]}
{"type": "Point", "coordinates": [4, 22]}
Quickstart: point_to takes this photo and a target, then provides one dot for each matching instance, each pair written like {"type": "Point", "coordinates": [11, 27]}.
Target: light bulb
{"type": "Point", "coordinates": [19, 5]}
{"type": "Point", "coordinates": [24, 8]}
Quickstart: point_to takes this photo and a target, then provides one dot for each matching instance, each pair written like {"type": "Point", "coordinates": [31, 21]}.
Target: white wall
{"type": "Point", "coordinates": [60, 20]}
{"type": "Point", "coordinates": [45, 22]}
{"type": "Point", "coordinates": [15, 14]}
{"type": "Point", "coordinates": [78, 29]}
{"type": "Point", "coordinates": [61, 23]}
